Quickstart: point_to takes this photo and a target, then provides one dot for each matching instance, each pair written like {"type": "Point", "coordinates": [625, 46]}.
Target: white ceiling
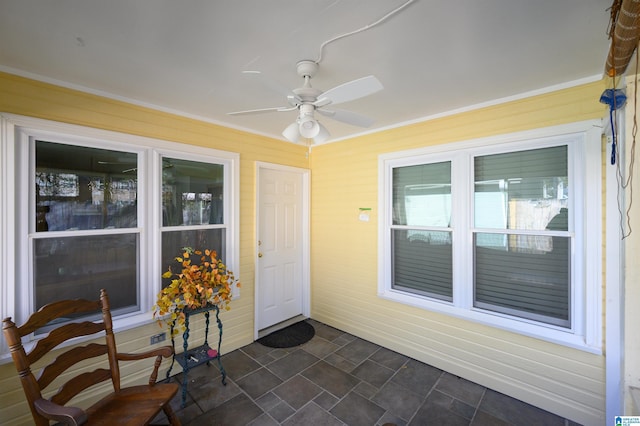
{"type": "Point", "coordinates": [433, 57]}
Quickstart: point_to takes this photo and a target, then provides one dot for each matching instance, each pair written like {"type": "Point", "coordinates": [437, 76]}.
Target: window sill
{"type": "Point", "coordinates": [123, 323]}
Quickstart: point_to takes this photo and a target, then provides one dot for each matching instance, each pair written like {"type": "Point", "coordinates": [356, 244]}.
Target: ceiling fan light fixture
{"type": "Point", "coordinates": [309, 127]}
{"type": "Point", "coordinates": [292, 132]}
{"type": "Point", "coordinates": [323, 134]}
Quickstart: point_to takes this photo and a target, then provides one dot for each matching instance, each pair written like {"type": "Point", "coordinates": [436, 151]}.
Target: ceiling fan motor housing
{"type": "Point", "coordinates": [307, 68]}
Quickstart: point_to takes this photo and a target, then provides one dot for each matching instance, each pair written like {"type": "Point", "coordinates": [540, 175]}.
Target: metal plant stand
{"type": "Point", "coordinates": [190, 358]}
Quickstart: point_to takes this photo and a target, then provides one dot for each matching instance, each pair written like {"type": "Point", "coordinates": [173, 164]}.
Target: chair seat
{"type": "Point", "coordinates": [147, 400]}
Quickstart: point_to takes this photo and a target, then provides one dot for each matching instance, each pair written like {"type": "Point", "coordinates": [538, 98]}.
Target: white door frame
{"type": "Point", "coordinates": [306, 240]}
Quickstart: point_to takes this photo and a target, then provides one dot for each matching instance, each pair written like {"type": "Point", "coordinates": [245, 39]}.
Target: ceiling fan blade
{"type": "Point", "coordinates": [261, 110]}
{"type": "Point", "coordinates": [352, 90]}
{"type": "Point", "coordinates": [322, 101]}
{"type": "Point", "coordinates": [347, 117]}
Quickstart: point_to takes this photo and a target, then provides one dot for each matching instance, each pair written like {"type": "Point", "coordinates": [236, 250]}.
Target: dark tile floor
{"type": "Point", "coordinates": [339, 379]}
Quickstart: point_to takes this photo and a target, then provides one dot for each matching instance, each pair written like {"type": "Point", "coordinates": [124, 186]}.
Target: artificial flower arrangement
{"type": "Point", "coordinates": [203, 281]}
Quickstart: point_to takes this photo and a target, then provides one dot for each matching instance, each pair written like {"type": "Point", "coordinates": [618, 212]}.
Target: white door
{"type": "Point", "coordinates": [282, 269]}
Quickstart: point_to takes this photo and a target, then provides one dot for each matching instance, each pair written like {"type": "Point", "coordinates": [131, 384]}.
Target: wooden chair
{"type": "Point", "coordinates": [136, 405]}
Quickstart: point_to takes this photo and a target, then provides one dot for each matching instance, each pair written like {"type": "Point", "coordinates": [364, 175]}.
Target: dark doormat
{"type": "Point", "coordinates": [293, 335]}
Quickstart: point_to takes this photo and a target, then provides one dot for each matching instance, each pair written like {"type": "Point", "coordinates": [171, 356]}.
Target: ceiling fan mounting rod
{"type": "Point", "coordinates": [306, 109]}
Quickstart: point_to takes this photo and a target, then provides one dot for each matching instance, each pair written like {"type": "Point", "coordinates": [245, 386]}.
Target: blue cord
{"type": "Point", "coordinates": [615, 98]}
{"type": "Point", "coordinates": [613, 144]}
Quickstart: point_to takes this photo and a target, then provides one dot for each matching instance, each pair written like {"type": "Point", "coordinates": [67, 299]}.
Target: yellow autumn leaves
{"type": "Point", "coordinates": [204, 282]}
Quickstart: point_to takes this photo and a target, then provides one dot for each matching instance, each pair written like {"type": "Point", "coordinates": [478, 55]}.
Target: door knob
{"type": "Point", "coordinates": [259, 254]}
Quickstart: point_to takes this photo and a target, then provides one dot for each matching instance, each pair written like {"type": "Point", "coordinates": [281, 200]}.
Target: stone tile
{"type": "Point", "coordinates": [373, 373]}
{"type": "Point", "coordinates": [238, 411]}
{"type": "Point", "coordinates": [259, 382]}
{"type": "Point", "coordinates": [436, 410]}
{"type": "Point", "coordinates": [517, 412]}
{"type": "Point", "coordinates": [389, 359]}
{"type": "Point", "coordinates": [290, 365]}
{"type": "Point", "coordinates": [281, 412]}
{"type": "Point", "coordinates": [326, 400]}
{"type": "Point", "coordinates": [344, 339]}
{"type": "Point", "coordinates": [176, 401]}
{"type": "Point", "coordinates": [281, 352]}
{"type": "Point", "coordinates": [256, 350]}
{"type": "Point", "coordinates": [237, 364]}
{"type": "Point", "coordinates": [325, 331]}
{"type": "Point", "coordinates": [417, 377]}
{"type": "Point", "coordinates": [464, 390]}
{"type": "Point", "coordinates": [268, 401]}
{"type": "Point", "coordinates": [398, 400]}
{"type": "Point", "coordinates": [465, 410]}
{"type": "Point", "coordinates": [311, 414]}
{"type": "Point", "coordinates": [356, 410]}
{"type": "Point", "coordinates": [209, 394]}
{"type": "Point", "coordinates": [320, 347]}
{"type": "Point", "coordinates": [263, 420]}
{"type": "Point", "coordinates": [265, 359]}
{"type": "Point", "coordinates": [484, 419]}
{"type": "Point", "coordinates": [186, 414]}
{"type": "Point", "coordinates": [203, 371]}
{"type": "Point", "coordinates": [357, 350]}
{"type": "Point", "coordinates": [330, 378]}
{"type": "Point", "coordinates": [339, 362]}
{"type": "Point", "coordinates": [365, 389]}
{"type": "Point", "coordinates": [389, 418]}
{"type": "Point", "coordinates": [297, 391]}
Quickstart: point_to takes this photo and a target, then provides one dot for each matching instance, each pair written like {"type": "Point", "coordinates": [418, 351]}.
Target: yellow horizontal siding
{"type": "Point", "coordinates": [41, 100]}
{"type": "Point", "coordinates": [565, 381]}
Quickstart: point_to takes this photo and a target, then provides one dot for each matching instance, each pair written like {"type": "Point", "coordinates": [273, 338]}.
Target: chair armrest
{"type": "Point", "coordinates": [67, 415]}
{"type": "Point", "coordinates": [159, 353]}
{"type": "Point", "coordinates": [164, 351]}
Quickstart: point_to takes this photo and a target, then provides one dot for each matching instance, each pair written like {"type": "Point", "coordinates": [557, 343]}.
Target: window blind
{"type": "Point", "coordinates": [528, 274]}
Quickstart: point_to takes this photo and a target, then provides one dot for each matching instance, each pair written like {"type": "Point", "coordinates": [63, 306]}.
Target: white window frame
{"type": "Point", "coordinates": [584, 142]}
{"type": "Point", "coordinates": [16, 174]}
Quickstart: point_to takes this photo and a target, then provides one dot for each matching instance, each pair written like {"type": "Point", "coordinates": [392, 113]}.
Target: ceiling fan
{"type": "Point", "coordinates": [307, 100]}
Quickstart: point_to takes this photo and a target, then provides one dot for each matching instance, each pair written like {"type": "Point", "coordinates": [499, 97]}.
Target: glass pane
{"type": "Point", "coordinates": [78, 267]}
{"type": "Point", "coordinates": [191, 192]}
{"type": "Point", "coordinates": [522, 282]}
{"type": "Point", "coordinates": [84, 188]}
{"type": "Point", "coordinates": [201, 239]}
{"type": "Point", "coordinates": [422, 195]}
{"type": "Point", "coordinates": [521, 190]}
{"type": "Point", "coordinates": [422, 263]}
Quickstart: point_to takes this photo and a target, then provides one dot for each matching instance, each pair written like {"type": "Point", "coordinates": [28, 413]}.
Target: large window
{"type": "Point", "coordinates": [85, 235]}
{"type": "Point", "coordinates": [85, 209]}
{"type": "Point", "coordinates": [495, 231]}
